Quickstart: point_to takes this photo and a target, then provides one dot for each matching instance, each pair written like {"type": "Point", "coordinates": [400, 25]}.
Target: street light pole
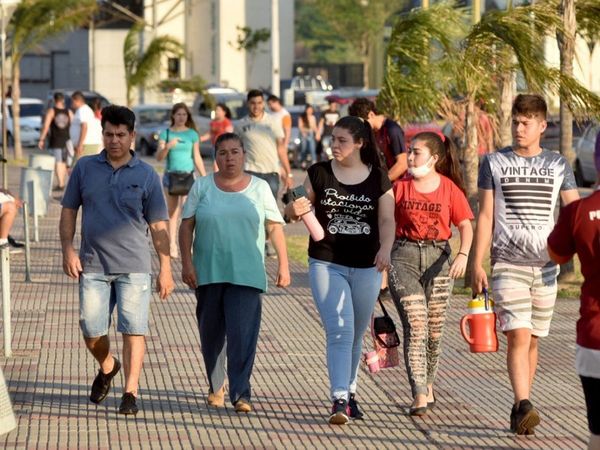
{"type": "Point", "coordinates": [7, 7]}
{"type": "Point", "coordinates": [275, 62]}
{"type": "Point", "coordinates": [3, 87]}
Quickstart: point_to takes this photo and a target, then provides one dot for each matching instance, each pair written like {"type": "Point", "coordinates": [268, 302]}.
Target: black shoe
{"type": "Point", "coordinates": [355, 413]}
{"type": "Point", "coordinates": [431, 405]}
{"type": "Point", "coordinates": [417, 411]}
{"type": "Point", "coordinates": [526, 418]}
{"type": "Point", "coordinates": [14, 243]}
{"type": "Point", "coordinates": [128, 405]}
{"type": "Point", "coordinates": [340, 412]}
{"type": "Point", "coordinates": [513, 418]}
{"type": "Point", "coordinates": [101, 384]}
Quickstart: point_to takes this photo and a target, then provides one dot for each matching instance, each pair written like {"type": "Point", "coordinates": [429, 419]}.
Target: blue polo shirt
{"type": "Point", "coordinates": [117, 207]}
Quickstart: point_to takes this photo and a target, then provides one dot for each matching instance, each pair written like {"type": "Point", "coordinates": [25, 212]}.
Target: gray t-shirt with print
{"type": "Point", "coordinates": [260, 142]}
{"type": "Point", "coordinates": [526, 190]}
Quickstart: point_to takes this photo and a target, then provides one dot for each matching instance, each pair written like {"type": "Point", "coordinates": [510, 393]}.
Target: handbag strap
{"type": "Point", "coordinates": [385, 313]}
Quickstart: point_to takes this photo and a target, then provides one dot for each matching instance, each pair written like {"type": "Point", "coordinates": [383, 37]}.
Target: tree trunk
{"type": "Point", "coordinates": [505, 110]}
{"type": "Point", "coordinates": [366, 62]}
{"type": "Point", "coordinates": [16, 108]}
{"type": "Point", "coordinates": [566, 45]}
{"type": "Point", "coordinates": [471, 162]}
{"type": "Point", "coordinates": [471, 159]}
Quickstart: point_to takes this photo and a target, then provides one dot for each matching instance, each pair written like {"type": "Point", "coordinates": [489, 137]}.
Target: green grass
{"type": "Point", "coordinates": [297, 247]}
{"type": "Point", "coordinates": [568, 286]}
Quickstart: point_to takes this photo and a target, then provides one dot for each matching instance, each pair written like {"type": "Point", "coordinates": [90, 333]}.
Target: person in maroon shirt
{"type": "Point", "coordinates": [578, 231]}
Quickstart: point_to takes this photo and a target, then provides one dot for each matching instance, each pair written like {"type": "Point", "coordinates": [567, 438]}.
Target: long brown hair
{"type": "Point", "coordinates": [189, 122]}
{"type": "Point", "coordinates": [447, 163]}
{"type": "Point", "coordinates": [360, 129]}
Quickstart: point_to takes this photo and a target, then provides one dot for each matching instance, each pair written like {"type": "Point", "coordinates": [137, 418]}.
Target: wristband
{"type": "Point", "coordinates": [462, 253]}
{"type": "Point", "coordinates": [290, 175]}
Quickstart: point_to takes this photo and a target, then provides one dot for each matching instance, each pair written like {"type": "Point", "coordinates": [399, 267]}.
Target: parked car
{"type": "Point", "coordinates": [90, 97]}
{"type": "Point", "coordinates": [345, 96]}
{"type": "Point", "coordinates": [30, 121]}
{"type": "Point", "coordinates": [585, 168]}
{"type": "Point", "coordinates": [150, 120]}
{"type": "Point", "coordinates": [551, 137]}
{"type": "Point", "coordinates": [305, 89]}
{"type": "Point", "coordinates": [203, 111]}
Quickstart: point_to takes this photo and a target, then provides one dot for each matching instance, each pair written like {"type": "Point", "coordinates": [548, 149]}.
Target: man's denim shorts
{"type": "Point", "coordinates": [100, 293]}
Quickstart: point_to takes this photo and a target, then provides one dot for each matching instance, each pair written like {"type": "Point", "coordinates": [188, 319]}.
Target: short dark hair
{"type": "Point", "coordinates": [254, 93]}
{"type": "Point", "coordinates": [118, 115]}
{"type": "Point", "coordinates": [273, 98]}
{"type": "Point", "coordinates": [58, 96]}
{"type": "Point", "coordinates": [530, 105]}
{"type": "Point", "coordinates": [361, 107]}
{"type": "Point", "coordinates": [228, 137]}
{"type": "Point", "coordinates": [78, 95]}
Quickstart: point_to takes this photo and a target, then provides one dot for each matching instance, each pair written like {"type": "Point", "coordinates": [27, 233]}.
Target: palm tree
{"type": "Point", "coordinates": [33, 22]}
{"type": "Point", "coordinates": [566, 45]}
{"type": "Point", "coordinates": [141, 67]}
{"type": "Point", "coordinates": [471, 66]}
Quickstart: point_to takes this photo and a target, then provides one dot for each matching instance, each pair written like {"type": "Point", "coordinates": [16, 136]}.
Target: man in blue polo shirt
{"type": "Point", "coordinates": [121, 198]}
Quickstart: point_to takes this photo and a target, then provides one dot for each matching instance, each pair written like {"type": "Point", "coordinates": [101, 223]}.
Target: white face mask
{"type": "Point", "coordinates": [420, 171]}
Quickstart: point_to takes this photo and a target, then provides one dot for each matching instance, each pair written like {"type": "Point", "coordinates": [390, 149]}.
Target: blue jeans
{"type": "Point", "coordinates": [345, 298]}
{"type": "Point", "coordinates": [100, 293]}
{"type": "Point", "coordinates": [229, 321]}
{"type": "Point", "coordinates": [308, 145]}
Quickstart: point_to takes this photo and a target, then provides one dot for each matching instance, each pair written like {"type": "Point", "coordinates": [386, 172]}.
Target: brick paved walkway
{"type": "Point", "coordinates": [50, 373]}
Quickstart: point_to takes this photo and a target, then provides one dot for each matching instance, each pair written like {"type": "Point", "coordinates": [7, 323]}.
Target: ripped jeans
{"type": "Point", "coordinates": [421, 288]}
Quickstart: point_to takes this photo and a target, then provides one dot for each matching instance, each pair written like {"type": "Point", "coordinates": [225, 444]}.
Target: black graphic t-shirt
{"type": "Point", "coordinates": [348, 214]}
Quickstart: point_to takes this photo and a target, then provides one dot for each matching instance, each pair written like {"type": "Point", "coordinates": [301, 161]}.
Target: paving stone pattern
{"type": "Point", "coordinates": [50, 374]}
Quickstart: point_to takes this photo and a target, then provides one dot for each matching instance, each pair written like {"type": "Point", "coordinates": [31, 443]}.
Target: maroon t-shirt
{"type": "Point", "coordinates": [578, 231]}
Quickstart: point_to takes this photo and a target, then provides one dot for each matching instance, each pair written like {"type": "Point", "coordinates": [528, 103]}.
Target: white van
{"type": "Point", "coordinates": [31, 121]}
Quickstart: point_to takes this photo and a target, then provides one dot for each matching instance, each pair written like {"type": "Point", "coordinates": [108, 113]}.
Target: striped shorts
{"type": "Point", "coordinates": [524, 296]}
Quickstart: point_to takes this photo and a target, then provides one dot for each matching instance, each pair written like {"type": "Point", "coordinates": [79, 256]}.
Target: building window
{"type": "Point", "coordinates": [173, 68]}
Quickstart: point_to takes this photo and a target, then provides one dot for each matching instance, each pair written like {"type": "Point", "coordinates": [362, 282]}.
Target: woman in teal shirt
{"type": "Point", "coordinates": [180, 145]}
{"type": "Point", "coordinates": [226, 214]}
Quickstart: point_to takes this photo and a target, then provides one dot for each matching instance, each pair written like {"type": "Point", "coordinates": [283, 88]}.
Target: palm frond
{"type": "Point", "coordinates": [421, 51]}
{"type": "Point", "coordinates": [588, 19]}
{"type": "Point", "coordinates": [36, 20]}
{"type": "Point", "coordinates": [131, 50]}
{"type": "Point", "coordinates": [149, 61]}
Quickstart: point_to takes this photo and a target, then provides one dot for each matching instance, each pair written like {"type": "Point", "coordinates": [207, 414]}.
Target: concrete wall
{"type": "Point", "coordinates": [61, 62]}
{"type": "Point", "coordinates": [212, 34]}
{"type": "Point", "coordinates": [107, 68]}
{"type": "Point", "coordinates": [94, 59]}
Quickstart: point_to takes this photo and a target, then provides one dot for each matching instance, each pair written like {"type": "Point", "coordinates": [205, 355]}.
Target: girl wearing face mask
{"type": "Point", "coordinates": [428, 202]}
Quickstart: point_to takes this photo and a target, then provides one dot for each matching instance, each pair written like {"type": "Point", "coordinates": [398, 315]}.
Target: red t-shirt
{"type": "Point", "coordinates": [578, 231]}
{"type": "Point", "coordinates": [217, 128]}
{"type": "Point", "coordinates": [429, 216]}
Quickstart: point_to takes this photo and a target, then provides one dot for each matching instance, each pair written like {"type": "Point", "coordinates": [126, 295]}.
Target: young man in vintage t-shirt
{"type": "Point", "coordinates": [518, 190]}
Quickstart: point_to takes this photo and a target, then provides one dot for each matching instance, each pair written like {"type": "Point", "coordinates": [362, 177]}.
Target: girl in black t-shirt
{"type": "Point", "coordinates": [354, 204]}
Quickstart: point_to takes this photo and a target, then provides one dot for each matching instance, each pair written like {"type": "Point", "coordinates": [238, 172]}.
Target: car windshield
{"type": "Point", "coordinates": [29, 109]}
{"type": "Point", "coordinates": [238, 108]}
{"type": "Point", "coordinates": [154, 115]}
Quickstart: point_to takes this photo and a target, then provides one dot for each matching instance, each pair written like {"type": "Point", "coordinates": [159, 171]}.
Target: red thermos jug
{"type": "Point", "coordinates": [481, 320]}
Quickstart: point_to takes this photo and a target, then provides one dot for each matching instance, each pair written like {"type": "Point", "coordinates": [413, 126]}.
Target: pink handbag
{"type": "Point", "coordinates": [385, 340]}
